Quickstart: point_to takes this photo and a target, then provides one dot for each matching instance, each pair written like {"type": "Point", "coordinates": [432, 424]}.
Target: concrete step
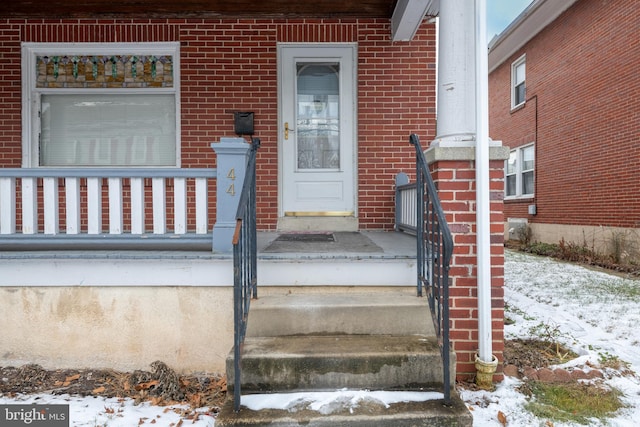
{"type": "Point", "coordinates": [416, 414]}
{"type": "Point", "coordinates": [376, 340]}
{"type": "Point", "coordinates": [395, 312]}
{"type": "Point", "coordinates": [331, 362]}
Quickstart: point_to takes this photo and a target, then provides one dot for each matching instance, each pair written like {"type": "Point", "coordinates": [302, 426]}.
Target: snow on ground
{"type": "Point", "coordinates": [115, 412]}
{"type": "Point", "coordinates": [594, 313]}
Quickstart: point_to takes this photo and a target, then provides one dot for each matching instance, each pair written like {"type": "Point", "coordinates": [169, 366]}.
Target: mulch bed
{"type": "Point", "coordinates": [160, 386]}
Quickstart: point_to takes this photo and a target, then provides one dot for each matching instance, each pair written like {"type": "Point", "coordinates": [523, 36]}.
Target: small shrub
{"type": "Point", "coordinates": [524, 234]}
{"type": "Point", "coordinates": [544, 249]}
{"type": "Point", "coordinates": [551, 334]}
{"type": "Point", "coordinates": [570, 251]}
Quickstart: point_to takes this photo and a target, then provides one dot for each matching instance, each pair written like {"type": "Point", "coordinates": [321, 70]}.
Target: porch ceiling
{"type": "Point", "coordinates": [200, 8]}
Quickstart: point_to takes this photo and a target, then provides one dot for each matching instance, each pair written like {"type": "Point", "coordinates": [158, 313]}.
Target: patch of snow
{"type": "Point", "coordinates": [113, 412]}
{"type": "Point", "coordinates": [328, 402]}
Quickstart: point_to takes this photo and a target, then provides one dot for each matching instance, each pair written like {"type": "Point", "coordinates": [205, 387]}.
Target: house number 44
{"type": "Point", "coordinates": [232, 176]}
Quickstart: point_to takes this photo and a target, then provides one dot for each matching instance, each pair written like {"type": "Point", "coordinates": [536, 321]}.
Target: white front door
{"type": "Point", "coordinates": [317, 131]}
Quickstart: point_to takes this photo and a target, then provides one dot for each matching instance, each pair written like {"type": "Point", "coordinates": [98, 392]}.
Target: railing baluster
{"type": "Point", "coordinates": [201, 206]}
{"type": "Point", "coordinates": [7, 205]}
{"type": "Point", "coordinates": [72, 203]}
{"type": "Point", "coordinates": [159, 206]}
{"type": "Point", "coordinates": [137, 205]}
{"type": "Point", "coordinates": [50, 205]}
{"type": "Point", "coordinates": [29, 205]}
{"type": "Point", "coordinates": [179, 206]}
{"type": "Point", "coordinates": [94, 205]}
{"type": "Point", "coordinates": [115, 205]}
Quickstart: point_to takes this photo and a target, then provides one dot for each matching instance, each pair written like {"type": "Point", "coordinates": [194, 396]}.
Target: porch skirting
{"type": "Point", "coordinates": [188, 328]}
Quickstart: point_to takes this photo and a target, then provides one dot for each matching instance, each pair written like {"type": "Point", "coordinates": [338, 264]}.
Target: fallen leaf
{"type": "Point", "coordinates": [502, 418]}
{"type": "Point", "coordinates": [147, 385]}
{"type": "Point", "coordinates": [221, 384]}
{"type": "Point", "coordinates": [548, 424]}
{"type": "Point", "coordinates": [109, 410]}
{"type": "Point", "coordinates": [98, 390]}
{"type": "Point", "coordinates": [72, 378]}
{"type": "Point", "coordinates": [179, 423]}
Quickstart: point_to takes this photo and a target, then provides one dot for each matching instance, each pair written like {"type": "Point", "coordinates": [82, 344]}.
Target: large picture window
{"type": "Point", "coordinates": [519, 172]}
{"type": "Point", "coordinates": [105, 105]}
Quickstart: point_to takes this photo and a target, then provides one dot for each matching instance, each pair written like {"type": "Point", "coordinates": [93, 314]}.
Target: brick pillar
{"type": "Point", "coordinates": [453, 170]}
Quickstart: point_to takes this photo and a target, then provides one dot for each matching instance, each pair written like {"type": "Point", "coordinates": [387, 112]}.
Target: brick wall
{"type": "Point", "coordinates": [455, 181]}
{"type": "Point", "coordinates": [582, 112]}
{"type": "Point", "coordinates": [229, 65]}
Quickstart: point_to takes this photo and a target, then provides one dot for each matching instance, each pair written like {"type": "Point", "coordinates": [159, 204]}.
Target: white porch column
{"type": "Point", "coordinates": [456, 75]}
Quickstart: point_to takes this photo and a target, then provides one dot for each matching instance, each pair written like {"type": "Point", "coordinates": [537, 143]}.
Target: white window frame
{"type": "Point", "coordinates": [522, 61]}
{"type": "Point", "coordinates": [31, 94]}
{"type": "Point", "coordinates": [519, 173]}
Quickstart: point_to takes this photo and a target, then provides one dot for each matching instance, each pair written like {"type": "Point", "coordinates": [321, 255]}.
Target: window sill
{"type": "Point", "coordinates": [519, 199]}
{"type": "Point", "coordinates": [518, 107]}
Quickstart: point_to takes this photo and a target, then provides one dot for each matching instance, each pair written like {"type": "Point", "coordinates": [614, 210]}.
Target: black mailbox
{"type": "Point", "coordinates": [243, 122]}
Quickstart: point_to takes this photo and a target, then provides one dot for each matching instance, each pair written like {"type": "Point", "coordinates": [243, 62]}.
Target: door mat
{"type": "Point", "coordinates": [322, 243]}
{"type": "Point", "coordinates": [306, 237]}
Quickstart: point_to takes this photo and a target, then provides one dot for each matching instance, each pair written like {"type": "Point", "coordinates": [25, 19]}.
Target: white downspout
{"type": "Point", "coordinates": [483, 231]}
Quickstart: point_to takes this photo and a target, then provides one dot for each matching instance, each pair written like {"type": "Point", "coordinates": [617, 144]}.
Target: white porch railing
{"type": "Point", "coordinates": [406, 197]}
{"type": "Point", "coordinates": [151, 203]}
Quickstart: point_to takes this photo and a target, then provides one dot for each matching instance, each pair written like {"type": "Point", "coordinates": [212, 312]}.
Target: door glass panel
{"type": "Point", "coordinates": [318, 115]}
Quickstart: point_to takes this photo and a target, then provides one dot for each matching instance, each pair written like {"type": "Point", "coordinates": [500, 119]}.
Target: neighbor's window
{"type": "Point", "coordinates": [519, 172]}
{"type": "Point", "coordinates": [100, 105]}
{"type": "Point", "coordinates": [518, 86]}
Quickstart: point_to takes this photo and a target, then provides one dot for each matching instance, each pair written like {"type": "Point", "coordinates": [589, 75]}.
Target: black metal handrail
{"type": "Point", "coordinates": [245, 260]}
{"type": "Point", "coordinates": [434, 251]}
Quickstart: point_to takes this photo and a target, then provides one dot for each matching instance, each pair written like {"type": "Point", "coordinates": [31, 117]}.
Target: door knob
{"type": "Point", "coordinates": [286, 130]}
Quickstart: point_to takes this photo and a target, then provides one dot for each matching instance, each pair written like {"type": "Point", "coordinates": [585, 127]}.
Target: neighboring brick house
{"type": "Point", "coordinates": [564, 97]}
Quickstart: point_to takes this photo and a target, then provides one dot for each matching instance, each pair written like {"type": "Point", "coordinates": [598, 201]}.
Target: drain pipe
{"type": "Point", "coordinates": [486, 363]}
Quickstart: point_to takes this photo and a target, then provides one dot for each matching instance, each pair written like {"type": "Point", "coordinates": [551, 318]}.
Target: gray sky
{"type": "Point", "coordinates": [500, 13]}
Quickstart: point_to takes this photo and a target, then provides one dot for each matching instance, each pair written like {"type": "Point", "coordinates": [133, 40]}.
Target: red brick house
{"type": "Point", "coordinates": [557, 101]}
{"type": "Point", "coordinates": [118, 87]}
